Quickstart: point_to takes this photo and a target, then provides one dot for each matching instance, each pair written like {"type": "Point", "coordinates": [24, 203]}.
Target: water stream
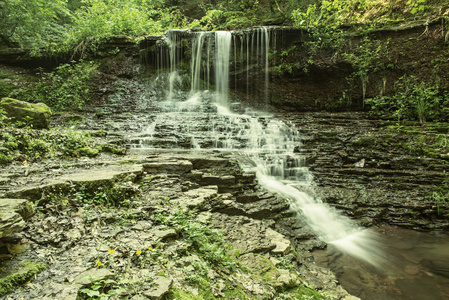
{"type": "Point", "coordinates": [205, 118]}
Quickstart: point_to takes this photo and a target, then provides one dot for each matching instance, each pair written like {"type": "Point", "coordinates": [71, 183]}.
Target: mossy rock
{"type": "Point", "coordinates": [26, 272]}
{"type": "Point", "coordinates": [85, 151]}
{"type": "Point", "coordinates": [36, 115]}
{"type": "Point", "coordinates": [364, 141]}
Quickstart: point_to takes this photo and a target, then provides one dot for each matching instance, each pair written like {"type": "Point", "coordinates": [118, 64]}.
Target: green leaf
{"type": "Point", "coordinates": [90, 292]}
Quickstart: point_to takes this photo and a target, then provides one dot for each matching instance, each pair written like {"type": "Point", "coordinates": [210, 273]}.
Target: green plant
{"type": "Point", "coordinates": [67, 87]}
{"type": "Point", "coordinates": [417, 6]}
{"type": "Point", "coordinates": [101, 289]}
{"type": "Point", "coordinates": [413, 100]}
{"type": "Point", "coordinates": [442, 203]}
{"type": "Point", "coordinates": [365, 59]}
{"type": "Point", "coordinates": [201, 238]}
{"type": "Point", "coordinates": [105, 195]}
{"type": "Point", "coordinates": [5, 159]}
{"type": "Point", "coordinates": [285, 66]}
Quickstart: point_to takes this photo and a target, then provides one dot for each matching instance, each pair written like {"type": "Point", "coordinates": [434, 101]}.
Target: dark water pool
{"type": "Point", "coordinates": [417, 267]}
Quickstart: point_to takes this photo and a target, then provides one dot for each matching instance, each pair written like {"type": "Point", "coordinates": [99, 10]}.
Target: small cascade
{"type": "Point", "coordinates": [255, 45]}
{"type": "Point", "coordinates": [215, 56]}
{"type": "Point", "coordinates": [203, 119]}
{"type": "Point", "coordinates": [199, 66]}
{"type": "Point", "coordinates": [173, 41]}
{"type": "Point", "coordinates": [223, 51]}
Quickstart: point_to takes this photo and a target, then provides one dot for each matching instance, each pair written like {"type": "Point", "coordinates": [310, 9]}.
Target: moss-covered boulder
{"type": "Point", "coordinates": [36, 115]}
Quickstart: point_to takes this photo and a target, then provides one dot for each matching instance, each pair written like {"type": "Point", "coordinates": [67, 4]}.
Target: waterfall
{"type": "Point", "coordinates": [223, 50]}
{"type": "Point", "coordinates": [173, 40]}
{"type": "Point", "coordinates": [264, 145]}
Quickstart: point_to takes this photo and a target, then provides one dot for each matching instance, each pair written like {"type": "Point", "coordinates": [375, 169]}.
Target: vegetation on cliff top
{"type": "Point", "coordinates": [77, 25]}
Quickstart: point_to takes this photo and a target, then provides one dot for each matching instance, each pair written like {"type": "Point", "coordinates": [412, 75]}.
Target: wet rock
{"type": "Point", "coordinates": [209, 163]}
{"type": "Point", "coordinates": [13, 213]}
{"type": "Point", "coordinates": [162, 286]}
{"type": "Point", "coordinates": [439, 267]}
{"type": "Point", "coordinates": [35, 115]}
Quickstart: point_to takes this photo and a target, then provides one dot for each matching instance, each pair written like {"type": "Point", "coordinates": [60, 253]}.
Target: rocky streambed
{"type": "Point", "coordinates": [182, 224]}
{"type": "Point", "coordinates": [176, 225]}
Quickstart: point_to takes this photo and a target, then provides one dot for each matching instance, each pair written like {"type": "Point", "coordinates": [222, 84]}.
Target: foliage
{"type": "Point", "coordinates": [365, 59]}
{"type": "Point", "coordinates": [285, 66]}
{"type": "Point", "coordinates": [413, 100]}
{"type": "Point", "coordinates": [417, 6]}
{"type": "Point", "coordinates": [63, 26]}
{"type": "Point", "coordinates": [67, 87]}
{"type": "Point", "coordinates": [101, 289]}
{"type": "Point", "coordinates": [3, 118]}
{"type": "Point", "coordinates": [202, 239]}
{"type": "Point", "coordinates": [346, 12]}
{"type": "Point", "coordinates": [33, 23]}
{"type": "Point", "coordinates": [29, 145]}
{"type": "Point", "coordinates": [97, 20]}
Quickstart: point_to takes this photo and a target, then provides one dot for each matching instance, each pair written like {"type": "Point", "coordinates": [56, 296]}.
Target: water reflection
{"type": "Point", "coordinates": [418, 270]}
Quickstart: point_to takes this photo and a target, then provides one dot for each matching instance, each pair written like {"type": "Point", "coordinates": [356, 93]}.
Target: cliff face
{"type": "Point", "coordinates": [331, 80]}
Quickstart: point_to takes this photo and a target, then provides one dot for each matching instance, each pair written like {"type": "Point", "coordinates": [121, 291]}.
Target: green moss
{"type": "Point", "coordinates": [85, 151]}
{"type": "Point", "coordinates": [437, 127]}
{"type": "Point", "coordinates": [364, 141]}
{"type": "Point", "coordinates": [11, 145]}
{"type": "Point", "coordinates": [10, 282]}
{"type": "Point", "coordinates": [98, 133]}
{"type": "Point", "coordinates": [113, 149]}
{"type": "Point", "coordinates": [303, 292]}
{"type": "Point", "coordinates": [5, 159]}
{"type": "Point", "coordinates": [5, 89]}
{"type": "Point", "coordinates": [180, 294]}
{"type": "Point", "coordinates": [236, 292]}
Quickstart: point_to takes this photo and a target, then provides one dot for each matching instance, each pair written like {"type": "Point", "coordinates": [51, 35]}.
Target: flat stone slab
{"type": "Point", "coordinates": [110, 173]}
{"type": "Point", "coordinates": [92, 275]}
{"type": "Point", "coordinates": [162, 286]}
{"type": "Point", "coordinates": [170, 167]}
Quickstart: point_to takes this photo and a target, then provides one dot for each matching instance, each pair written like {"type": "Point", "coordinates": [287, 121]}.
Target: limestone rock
{"type": "Point", "coordinates": [162, 286]}
{"type": "Point", "coordinates": [92, 275]}
{"type": "Point", "coordinates": [170, 167]}
{"type": "Point", "coordinates": [162, 234]}
{"type": "Point", "coordinates": [197, 197]}
{"type": "Point", "coordinates": [62, 291]}
{"type": "Point", "coordinates": [37, 115]}
{"type": "Point", "coordinates": [13, 212]}
{"type": "Point", "coordinates": [283, 245]}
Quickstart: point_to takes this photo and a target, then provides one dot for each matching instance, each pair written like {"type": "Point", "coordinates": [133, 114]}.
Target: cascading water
{"type": "Point", "coordinates": [223, 49]}
{"type": "Point", "coordinates": [264, 145]}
